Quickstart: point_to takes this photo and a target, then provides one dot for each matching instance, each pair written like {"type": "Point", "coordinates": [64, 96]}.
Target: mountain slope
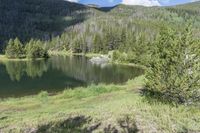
{"type": "Point", "coordinates": [46, 19]}
{"type": "Point", "coordinates": [37, 18]}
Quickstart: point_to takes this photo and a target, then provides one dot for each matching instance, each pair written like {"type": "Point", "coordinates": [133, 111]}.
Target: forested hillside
{"type": "Point", "coordinates": [79, 28]}
{"type": "Point", "coordinates": [38, 19]}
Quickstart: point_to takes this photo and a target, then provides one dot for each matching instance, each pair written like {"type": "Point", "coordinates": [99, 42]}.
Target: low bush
{"type": "Point", "coordinates": [119, 57]}
{"type": "Point", "coordinates": [43, 97]}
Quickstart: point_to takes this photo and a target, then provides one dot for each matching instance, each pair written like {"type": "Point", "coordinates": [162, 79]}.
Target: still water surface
{"type": "Point", "coordinates": [21, 78]}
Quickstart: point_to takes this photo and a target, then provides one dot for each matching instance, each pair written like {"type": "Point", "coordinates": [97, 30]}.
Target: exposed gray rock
{"type": "Point", "coordinates": [102, 59]}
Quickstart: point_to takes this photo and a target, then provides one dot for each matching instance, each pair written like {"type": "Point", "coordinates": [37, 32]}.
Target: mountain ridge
{"type": "Point", "coordinates": [45, 19]}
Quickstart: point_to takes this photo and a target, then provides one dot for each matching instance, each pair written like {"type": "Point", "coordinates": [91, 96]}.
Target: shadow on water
{"type": "Point", "coordinates": [38, 19]}
{"type": "Point", "coordinates": [21, 78]}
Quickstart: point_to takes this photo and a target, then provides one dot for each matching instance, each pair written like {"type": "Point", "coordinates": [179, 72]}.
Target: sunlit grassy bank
{"type": "Point", "coordinates": [102, 108]}
{"type": "Point", "coordinates": [3, 58]}
{"type": "Point", "coordinates": [70, 53]}
{"type": "Point", "coordinates": [51, 53]}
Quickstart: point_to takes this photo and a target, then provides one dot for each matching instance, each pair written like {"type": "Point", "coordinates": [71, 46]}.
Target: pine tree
{"type": "Point", "coordinates": [34, 49]}
{"type": "Point", "coordinates": [14, 49]}
{"type": "Point", "coordinates": [97, 42]}
{"type": "Point", "coordinates": [122, 42]}
{"type": "Point", "coordinates": [141, 50]}
{"type": "Point", "coordinates": [174, 73]}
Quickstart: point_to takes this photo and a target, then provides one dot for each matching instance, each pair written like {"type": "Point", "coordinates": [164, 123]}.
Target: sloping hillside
{"type": "Point", "coordinates": [46, 19]}
{"type": "Point", "coordinates": [37, 18]}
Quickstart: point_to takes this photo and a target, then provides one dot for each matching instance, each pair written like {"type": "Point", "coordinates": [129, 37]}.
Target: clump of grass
{"type": "Point", "coordinates": [92, 90]}
{"type": "Point", "coordinates": [136, 83]}
{"type": "Point", "coordinates": [43, 97]}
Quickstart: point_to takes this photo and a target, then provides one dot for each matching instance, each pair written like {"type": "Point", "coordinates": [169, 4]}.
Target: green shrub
{"type": "Point", "coordinates": [43, 96]}
{"type": "Point", "coordinates": [93, 90]}
{"type": "Point", "coordinates": [119, 57]}
{"type": "Point", "coordinates": [131, 56]}
{"type": "Point", "coordinates": [14, 49]}
{"type": "Point", "coordinates": [174, 70]}
{"type": "Point", "coordinates": [115, 55]}
{"type": "Point", "coordinates": [123, 57]}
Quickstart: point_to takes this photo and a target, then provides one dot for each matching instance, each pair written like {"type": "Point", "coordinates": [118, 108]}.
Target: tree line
{"type": "Point", "coordinates": [33, 49]}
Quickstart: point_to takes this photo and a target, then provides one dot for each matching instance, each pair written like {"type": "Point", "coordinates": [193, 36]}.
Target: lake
{"type": "Point", "coordinates": [22, 78]}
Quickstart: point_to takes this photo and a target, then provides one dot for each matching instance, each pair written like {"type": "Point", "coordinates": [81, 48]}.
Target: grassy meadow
{"type": "Point", "coordinates": [102, 108]}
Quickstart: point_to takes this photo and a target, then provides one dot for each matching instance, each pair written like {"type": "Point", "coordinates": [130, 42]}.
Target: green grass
{"type": "Point", "coordinates": [3, 58]}
{"type": "Point", "coordinates": [69, 53]}
{"type": "Point", "coordinates": [97, 108]}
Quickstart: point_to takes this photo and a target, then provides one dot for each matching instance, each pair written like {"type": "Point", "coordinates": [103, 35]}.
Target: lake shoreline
{"type": "Point", "coordinates": [98, 106]}
{"type": "Point", "coordinates": [3, 58]}
{"type": "Point", "coordinates": [22, 78]}
{"type": "Point", "coordinates": [91, 55]}
{"type": "Point", "coordinates": [65, 53]}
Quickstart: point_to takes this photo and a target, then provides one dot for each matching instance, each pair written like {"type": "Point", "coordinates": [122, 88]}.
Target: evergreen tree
{"type": "Point", "coordinates": [97, 42]}
{"type": "Point", "coordinates": [123, 38]}
{"type": "Point", "coordinates": [76, 47]}
{"type": "Point", "coordinates": [174, 73]}
{"type": "Point", "coordinates": [141, 50]}
{"type": "Point", "coordinates": [34, 49]}
{"type": "Point", "coordinates": [14, 49]}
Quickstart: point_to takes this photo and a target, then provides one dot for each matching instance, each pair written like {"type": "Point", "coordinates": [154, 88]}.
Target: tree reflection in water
{"type": "Point", "coordinates": [33, 69]}
{"type": "Point", "coordinates": [81, 68]}
{"type": "Point", "coordinates": [21, 78]}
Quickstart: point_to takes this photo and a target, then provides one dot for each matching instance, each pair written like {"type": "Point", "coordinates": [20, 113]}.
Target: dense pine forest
{"type": "Point", "coordinates": [70, 26]}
